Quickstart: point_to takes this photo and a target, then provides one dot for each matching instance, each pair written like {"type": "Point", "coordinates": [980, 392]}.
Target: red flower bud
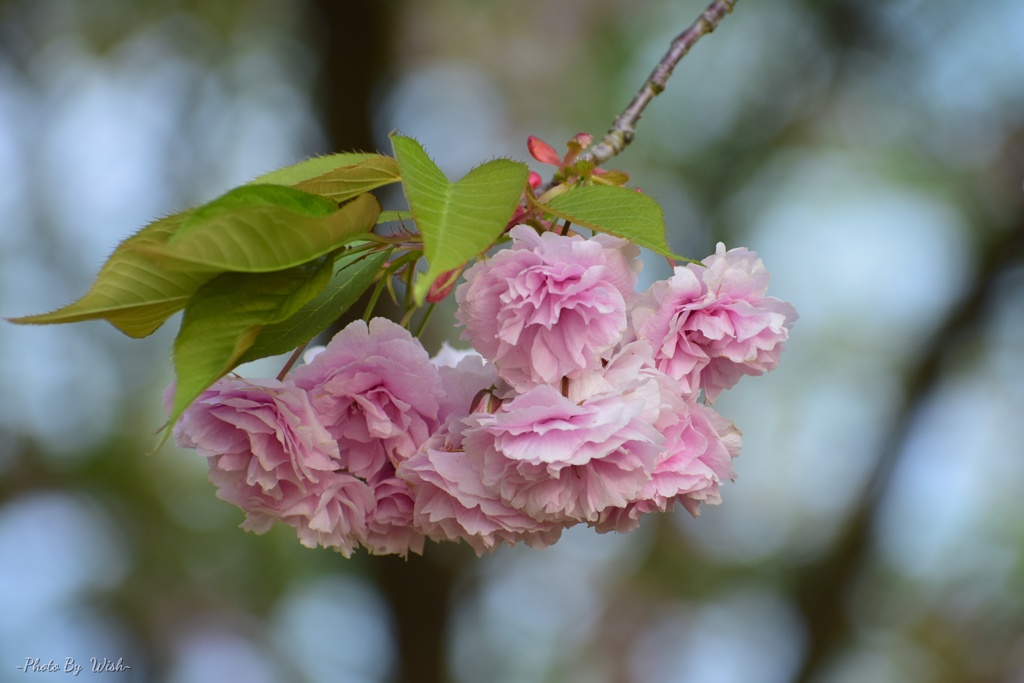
{"type": "Point", "coordinates": [443, 285]}
{"type": "Point", "coordinates": [542, 151]}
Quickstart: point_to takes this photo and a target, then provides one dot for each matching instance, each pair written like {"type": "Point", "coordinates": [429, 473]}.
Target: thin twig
{"type": "Point", "coordinates": [291, 361]}
{"type": "Point", "coordinates": [622, 131]}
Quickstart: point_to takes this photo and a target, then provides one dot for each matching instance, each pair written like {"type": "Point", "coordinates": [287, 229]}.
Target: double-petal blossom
{"type": "Point", "coordinates": [710, 324]}
{"type": "Point", "coordinates": [269, 455]}
{"type": "Point", "coordinates": [550, 306]}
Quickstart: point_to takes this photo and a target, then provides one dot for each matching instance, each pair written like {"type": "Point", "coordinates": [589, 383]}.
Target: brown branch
{"type": "Point", "coordinates": [623, 130]}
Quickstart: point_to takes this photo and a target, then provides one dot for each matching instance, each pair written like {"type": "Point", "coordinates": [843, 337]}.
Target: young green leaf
{"type": "Point", "coordinates": [264, 236]}
{"type": "Point", "coordinates": [276, 196]}
{"type": "Point", "coordinates": [131, 291]}
{"type": "Point", "coordinates": [618, 211]}
{"type": "Point", "coordinates": [224, 317]}
{"type": "Point", "coordinates": [459, 220]}
{"type": "Point", "coordinates": [353, 275]}
{"type": "Point", "coordinates": [311, 168]}
{"type": "Point", "coordinates": [342, 184]}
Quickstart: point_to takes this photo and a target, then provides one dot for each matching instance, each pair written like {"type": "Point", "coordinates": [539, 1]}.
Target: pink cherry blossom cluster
{"type": "Point", "coordinates": [584, 402]}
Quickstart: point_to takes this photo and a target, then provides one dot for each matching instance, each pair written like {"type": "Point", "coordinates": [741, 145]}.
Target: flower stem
{"type": "Point", "coordinates": [291, 361]}
{"type": "Point", "coordinates": [423, 322]}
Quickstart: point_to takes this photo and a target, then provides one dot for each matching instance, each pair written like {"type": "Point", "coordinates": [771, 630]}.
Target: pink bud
{"type": "Point", "coordinates": [582, 140]}
{"type": "Point", "coordinates": [577, 144]}
{"type": "Point", "coordinates": [535, 180]}
{"type": "Point", "coordinates": [485, 402]}
{"type": "Point", "coordinates": [542, 151]}
{"type": "Point", "coordinates": [443, 285]}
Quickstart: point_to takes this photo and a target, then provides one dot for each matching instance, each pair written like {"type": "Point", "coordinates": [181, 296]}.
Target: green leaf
{"type": "Point", "coordinates": [394, 217]}
{"type": "Point", "coordinates": [618, 211]}
{"type": "Point", "coordinates": [353, 275]}
{"type": "Point", "coordinates": [224, 317]}
{"type": "Point", "coordinates": [342, 184]}
{"type": "Point", "coordinates": [279, 196]}
{"type": "Point", "coordinates": [311, 168]}
{"type": "Point", "coordinates": [458, 221]}
{"type": "Point", "coordinates": [274, 231]}
{"type": "Point", "coordinates": [131, 292]}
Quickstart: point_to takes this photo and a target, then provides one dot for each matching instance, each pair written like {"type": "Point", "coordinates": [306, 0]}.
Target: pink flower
{"type": "Point", "coordinates": [377, 393]}
{"type": "Point", "coordinates": [549, 306]}
{"type": "Point", "coordinates": [564, 462]}
{"type": "Point", "coordinates": [451, 501]}
{"type": "Point", "coordinates": [711, 324]}
{"type": "Point", "coordinates": [699, 447]}
{"type": "Point", "coordinates": [464, 375]}
{"type": "Point", "coordinates": [269, 454]}
{"type": "Point", "coordinates": [453, 504]}
{"type": "Point", "coordinates": [390, 529]}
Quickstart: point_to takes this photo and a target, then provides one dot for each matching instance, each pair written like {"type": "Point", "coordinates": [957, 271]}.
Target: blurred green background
{"type": "Point", "coordinates": [871, 152]}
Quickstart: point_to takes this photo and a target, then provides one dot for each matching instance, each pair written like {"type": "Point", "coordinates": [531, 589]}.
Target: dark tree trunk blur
{"type": "Point", "coordinates": [355, 52]}
{"type": "Point", "coordinates": [355, 49]}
